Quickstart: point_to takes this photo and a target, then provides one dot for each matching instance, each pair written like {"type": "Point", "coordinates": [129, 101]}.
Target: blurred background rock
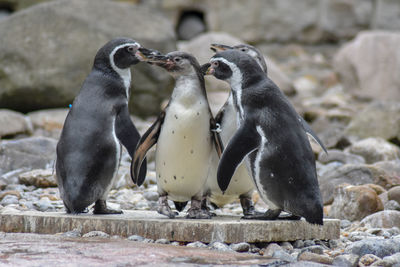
{"type": "Point", "coordinates": [338, 61]}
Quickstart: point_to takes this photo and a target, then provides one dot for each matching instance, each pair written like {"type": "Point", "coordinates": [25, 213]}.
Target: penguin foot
{"type": "Point", "coordinates": [101, 208]}
{"type": "Point", "coordinates": [248, 207]}
{"type": "Point", "coordinates": [164, 208]}
{"type": "Point", "coordinates": [268, 215]}
{"type": "Point", "coordinates": [194, 213]}
{"type": "Point", "coordinates": [289, 217]}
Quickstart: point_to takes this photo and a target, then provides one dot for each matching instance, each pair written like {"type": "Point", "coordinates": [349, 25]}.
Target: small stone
{"type": "Point", "coordinates": [162, 241]}
{"type": "Point", "coordinates": [240, 247]}
{"type": "Point", "coordinates": [367, 260]}
{"type": "Point", "coordinates": [8, 200]}
{"type": "Point", "coordinates": [358, 235]}
{"type": "Point", "coordinates": [346, 260]}
{"type": "Point", "coordinates": [148, 240]}
{"type": "Point", "coordinates": [383, 219]}
{"type": "Point", "coordinates": [298, 244]}
{"type": "Point", "coordinates": [340, 156]}
{"type": "Point", "coordinates": [271, 248]}
{"type": "Point", "coordinates": [73, 233]}
{"type": "Point", "coordinates": [96, 234]}
{"type": "Point", "coordinates": [196, 244]}
{"type": "Point", "coordinates": [309, 256]}
{"type": "Point", "coordinates": [375, 149]}
{"type": "Point", "coordinates": [308, 243]}
{"type": "Point", "coordinates": [283, 255]}
{"type": "Point", "coordinates": [175, 243]}
{"type": "Point", "coordinates": [11, 192]}
{"type": "Point", "coordinates": [39, 178]}
{"type": "Point", "coordinates": [392, 205]}
{"type": "Point", "coordinates": [377, 247]}
{"type": "Point", "coordinates": [219, 246]}
{"type": "Point", "coordinates": [345, 223]}
{"type": "Point", "coordinates": [151, 196]}
{"type": "Point", "coordinates": [44, 204]}
{"type": "Point", "coordinates": [286, 246]}
{"type": "Point", "coordinates": [394, 194]}
{"type": "Point", "coordinates": [137, 238]}
{"type": "Point", "coordinates": [389, 261]}
{"type": "Point", "coordinates": [314, 249]}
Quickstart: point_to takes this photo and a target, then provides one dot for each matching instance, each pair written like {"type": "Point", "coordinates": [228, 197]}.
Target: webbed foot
{"type": "Point", "coordinates": [164, 208]}
{"type": "Point", "coordinates": [100, 207]}
{"type": "Point", "coordinates": [248, 206]}
{"type": "Point", "coordinates": [268, 215]}
{"type": "Point", "coordinates": [197, 211]}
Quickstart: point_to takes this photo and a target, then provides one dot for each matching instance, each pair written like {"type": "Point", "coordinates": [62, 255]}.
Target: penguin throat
{"type": "Point", "coordinates": [187, 90]}
{"type": "Point", "coordinates": [124, 74]}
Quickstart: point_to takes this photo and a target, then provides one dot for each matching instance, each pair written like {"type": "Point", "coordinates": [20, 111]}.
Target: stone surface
{"type": "Point", "coordinates": [375, 149]}
{"type": "Point", "coordinates": [39, 178]}
{"type": "Point", "coordinates": [377, 247]}
{"type": "Point", "coordinates": [13, 123]}
{"type": "Point", "coordinates": [48, 122]}
{"type": "Point", "coordinates": [29, 153]}
{"type": "Point", "coordinates": [200, 47]}
{"type": "Point", "coordinates": [240, 247]}
{"type": "Point", "coordinates": [45, 78]}
{"type": "Point", "coordinates": [394, 194]}
{"type": "Point", "coordinates": [367, 260]}
{"type": "Point", "coordinates": [354, 202]}
{"type": "Point", "coordinates": [368, 62]}
{"type": "Point", "coordinates": [309, 256]}
{"type": "Point", "coordinates": [48, 250]}
{"type": "Point", "coordinates": [388, 261]}
{"type": "Point", "coordinates": [149, 224]}
{"type": "Point", "coordinates": [383, 219]}
{"type": "Point", "coordinates": [340, 156]}
{"type": "Point", "coordinates": [379, 119]}
{"type": "Point", "coordinates": [346, 260]}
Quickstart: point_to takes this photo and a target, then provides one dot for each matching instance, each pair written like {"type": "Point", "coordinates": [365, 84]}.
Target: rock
{"type": "Point", "coordinates": [196, 244]}
{"type": "Point", "coordinates": [340, 156]}
{"type": "Point", "coordinates": [44, 204]}
{"type": "Point", "coordinates": [383, 219]}
{"type": "Point", "coordinates": [12, 193]}
{"type": "Point", "coordinates": [346, 260]}
{"type": "Point", "coordinates": [13, 123]}
{"type": "Point", "coordinates": [377, 247]}
{"type": "Point", "coordinates": [287, 246]}
{"type": "Point", "coordinates": [378, 119]}
{"type": "Point", "coordinates": [375, 149]}
{"type": "Point", "coordinates": [354, 174]}
{"type": "Point", "coordinates": [283, 255]}
{"type": "Point", "coordinates": [308, 256]}
{"type": "Point", "coordinates": [367, 63]}
{"type": "Point", "coordinates": [219, 246]}
{"type": "Point", "coordinates": [8, 200]}
{"type": "Point", "coordinates": [200, 48]}
{"type": "Point", "coordinates": [316, 249]}
{"type": "Point", "coordinates": [162, 241]}
{"type": "Point", "coordinates": [391, 178]}
{"type": "Point", "coordinates": [385, 15]}
{"type": "Point", "coordinates": [96, 234]}
{"type": "Point", "coordinates": [30, 153]}
{"type": "Point", "coordinates": [73, 233]}
{"type": "Point", "coordinates": [271, 249]}
{"type": "Point", "coordinates": [190, 26]}
{"type": "Point", "coordinates": [30, 79]}
{"type": "Point", "coordinates": [388, 261]}
{"type": "Point", "coordinates": [137, 238]}
{"type": "Point", "coordinates": [394, 194]}
{"type": "Point", "coordinates": [368, 260]}
{"type": "Point", "coordinates": [298, 244]}
{"type": "Point", "coordinates": [151, 196]}
{"type": "Point", "coordinates": [344, 223]}
{"type": "Point", "coordinates": [354, 202]}
{"type": "Point", "coordinates": [309, 243]}
{"type": "Point", "coordinates": [48, 122]}
{"type": "Point", "coordinates": [39, 178]}
{"type": "Point", "coordinates": [240, 247]}
{"type": "Point", "coordinates": [392, 205]}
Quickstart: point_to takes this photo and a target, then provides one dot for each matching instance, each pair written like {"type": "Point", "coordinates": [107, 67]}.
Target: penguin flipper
{"type": "Point", "coordinates": [215, 130]}
{"type": "Point", "coordinates": [148, 139]}
{"type": "Point", "coordinates": [245, 140]}
{"type": "Point", "coordinates": [311, 133]}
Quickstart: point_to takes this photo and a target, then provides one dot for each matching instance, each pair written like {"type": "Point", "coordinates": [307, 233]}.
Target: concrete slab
{"type": "Point", "coordinates": [150, 224]}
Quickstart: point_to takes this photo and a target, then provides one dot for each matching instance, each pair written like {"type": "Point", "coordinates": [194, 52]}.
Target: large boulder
{"type": "Point", "coordinates": [367, 65]}
{"type": "Point", "coordinates": [44, 65]}
{"type": "Point", "coordinates": [374, 149]}
{"type": "Point", "coordinates": [378, 119]}
{"type": "Point", "coordinates": [13, 123]}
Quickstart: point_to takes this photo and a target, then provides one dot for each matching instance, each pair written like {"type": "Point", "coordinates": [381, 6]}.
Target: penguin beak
{"type": "Point", "coordinates": [161, 61]}
{"type": "Point", "coordinates": [145, 54]}
{"type": "Point", "coordinates": [219, 47]}
{"type": "Point", "coordinates": [210, 70]}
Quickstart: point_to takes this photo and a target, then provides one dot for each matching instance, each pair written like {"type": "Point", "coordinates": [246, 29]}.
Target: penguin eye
{"type": "Point", "coordinates": [215, 64]}
{"type": "Point", "coordinates": [177, 59]}
{"type": "Point", "coordinates": [130, 49]}
{"type": "Point", "coordinates": [243, 49]}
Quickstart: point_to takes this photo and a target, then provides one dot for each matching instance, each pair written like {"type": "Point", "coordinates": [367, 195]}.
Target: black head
{"type": "Point", "coordinates": [117, 54]}
{"type": "Point", "coordinates": [245, 48]}
{"type": "Point", "coordinates": [232, 63]}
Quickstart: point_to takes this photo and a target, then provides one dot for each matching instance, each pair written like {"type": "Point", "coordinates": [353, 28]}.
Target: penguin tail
{"type": "Point", "coordinates": [180, 205]}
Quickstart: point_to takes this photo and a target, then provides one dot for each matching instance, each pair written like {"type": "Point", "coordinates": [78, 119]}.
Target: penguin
{"type": "Point", "coordinates": [271, 140]}
{"type": "Point", "coordinates": [185, 136]}
{"type": "Point", "coordinates": [98, 122]}
{"type": "Point", "coordinates": [259, 57]}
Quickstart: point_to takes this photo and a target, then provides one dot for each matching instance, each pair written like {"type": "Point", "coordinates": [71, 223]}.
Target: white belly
{"type": "Point", "coordinates": [183, 151]}
{"type": "Point", "coordinates": [242, 181]}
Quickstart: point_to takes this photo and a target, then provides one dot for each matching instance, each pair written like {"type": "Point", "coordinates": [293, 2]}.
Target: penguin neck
{"type": "Point", "coordinates": [187, 89]}
{"type": "Point", "coordinates": [236, 87]}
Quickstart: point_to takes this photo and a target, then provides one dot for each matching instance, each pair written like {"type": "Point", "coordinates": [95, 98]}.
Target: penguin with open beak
{"type": "Point", "coordinates": [185, 136]}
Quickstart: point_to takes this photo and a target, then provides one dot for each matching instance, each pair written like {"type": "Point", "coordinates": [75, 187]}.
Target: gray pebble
{"type": "Point", "coordinates": [74, 233]}
{"type": "Point", "coordinates": [283, 255]}
{"type": "Point", "coordinates": [196, 244]}
{"type": "Point", "coordinates": [377, 247]}
{"type": "Point", "coordinates": [392, 205]}
{"type": "Point", "coordinates": [96, 234]}
{"type": "Point", "coordinates": [298, 244]}
{"type": "Point", "coordinates": [346, 260]}
{"type": "Point", "coordinates": [151, 196]}
{"type": "Point", "coordinates": [287, 246]}
{"type": "Point", "coordinates": [137, 238]}
{"type": "Point", "coordinates": [240, 247]}
{"type": "Point", "coordinates": [148, 240]}
{"type": "Point", "coordinates": [175, 243]}
{"type": "Point", "coordinates": [219, 246]}
{"type": "Point", "coordinates": [345, 224]}
{"type": "Point", "coordinates": [44, 204]}
{"type": "Point", "coordinates": [9, 199]}
{"type": "Point", "coordinates": [308, 243]}
{"type": "Point", "coordinates": [313, 249]}
{"type": "Point", "coordinates": [162, 241]}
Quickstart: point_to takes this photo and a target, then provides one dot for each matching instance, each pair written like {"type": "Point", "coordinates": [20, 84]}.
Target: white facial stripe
{"type": "Point", "coordinates": [235, 81]}
{"type": "Point", "coordinates": [125, 74]}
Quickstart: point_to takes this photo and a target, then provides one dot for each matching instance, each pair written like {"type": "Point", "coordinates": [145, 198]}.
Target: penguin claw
{"type": "Point", "coordinates": [164, 210]}
{"type": "Point", "coordinates": [198, 214]}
